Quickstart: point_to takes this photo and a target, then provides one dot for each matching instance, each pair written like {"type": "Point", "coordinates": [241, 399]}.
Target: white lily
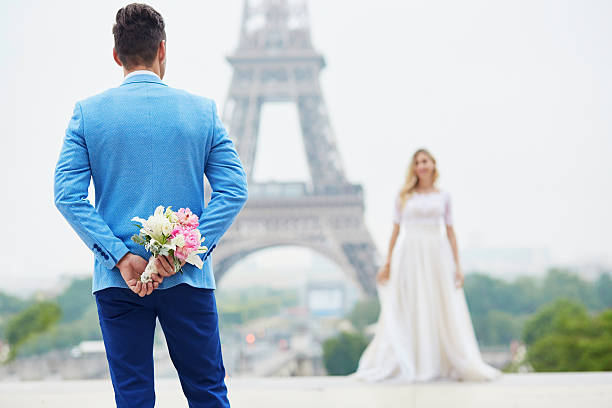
{"type": "Point", "coordinates": [195, 260]}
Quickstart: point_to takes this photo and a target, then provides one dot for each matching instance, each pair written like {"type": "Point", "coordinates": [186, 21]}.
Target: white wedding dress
{"type": "Point", "coordinates": [424, 331]}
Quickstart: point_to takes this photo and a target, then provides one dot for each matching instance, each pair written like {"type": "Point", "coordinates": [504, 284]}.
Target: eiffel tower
{"type": "Point", "coordinates": [276, 62]}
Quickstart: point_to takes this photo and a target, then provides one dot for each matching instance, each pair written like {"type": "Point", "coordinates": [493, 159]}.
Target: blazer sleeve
{"type": "Point", "coordinates": [228, 181]}
{"type": "Point", "coordinates": [71, 184]}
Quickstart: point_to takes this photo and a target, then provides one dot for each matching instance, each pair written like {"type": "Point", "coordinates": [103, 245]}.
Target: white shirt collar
{"type": "Point", "coordinates": [140, 71]}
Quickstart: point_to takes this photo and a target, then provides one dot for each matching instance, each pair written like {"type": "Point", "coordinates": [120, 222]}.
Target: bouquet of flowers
{"type": "Point", "coordinates": [170, 233]}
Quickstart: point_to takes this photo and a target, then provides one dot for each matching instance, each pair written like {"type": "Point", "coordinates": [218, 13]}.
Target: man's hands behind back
{"type": "Point", "coordinates": [131, 267]}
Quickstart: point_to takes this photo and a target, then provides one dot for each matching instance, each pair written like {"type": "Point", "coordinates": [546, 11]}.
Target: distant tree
{"type": "Point", "coordinates": [341, 353]}
{"type": "Point", "coordinates": [364, 313]}
{"type": "Point", "coordinates": [11, 304]}
{"type": "Point", "coordinates": [598, 350]}
{"type": "Point", "coordinates": [522, 297]}
{"type": "Point", "coordinates": [526, 295]}
{"type": "Point", "coordinates": [229, 316]}
{"type": "Point", "coordinates": [497, 328]}
{"type": "Point", "coordinates": [603, 288]}
{"type": "Point", "coordinates": [562, 283]}
{"type": "Point", "coordinates": [494, 305]}
{"type": "Point", "coordinates": [485, 293]}
{"type": "Point", "coordinates": [551, 318]}
{"type": "Point", "coordinates": [562, 336]}
{"type": "Point", "coordinates": [75, 299]}
{"type": "Point", "coordinates": [32, 321]}
{"type": "Point", "coordinates": [65, 334]}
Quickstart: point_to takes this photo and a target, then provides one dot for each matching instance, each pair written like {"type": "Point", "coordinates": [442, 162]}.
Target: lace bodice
{"type": "Point", "coordinates": [424, 208]}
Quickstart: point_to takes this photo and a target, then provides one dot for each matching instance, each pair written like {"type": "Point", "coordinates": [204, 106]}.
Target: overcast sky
{"type": "Point", "coordinates": [514, 99]}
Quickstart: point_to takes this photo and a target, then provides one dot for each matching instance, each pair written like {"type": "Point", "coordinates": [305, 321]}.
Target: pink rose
{"type": "Point", "coordinates": [187, 218]}
{"type": "Point", "coordinates": [192, 239]}
{"type": "Point", "coordinates": [179, 229]}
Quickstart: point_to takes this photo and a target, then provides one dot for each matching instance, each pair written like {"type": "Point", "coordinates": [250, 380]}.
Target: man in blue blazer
{"type": "Point", "coordinates": [146, 144]}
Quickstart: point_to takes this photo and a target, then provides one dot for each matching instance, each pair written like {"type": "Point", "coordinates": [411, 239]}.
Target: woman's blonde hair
{"type": "Point", "coordinates": [412, 179]}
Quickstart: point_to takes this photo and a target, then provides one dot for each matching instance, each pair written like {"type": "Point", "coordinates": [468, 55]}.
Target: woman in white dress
{"type": "Point", "coordinates": [424, 331]}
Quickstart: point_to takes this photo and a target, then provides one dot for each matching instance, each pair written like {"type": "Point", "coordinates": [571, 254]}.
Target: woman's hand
{"type": "Point", "coordinates": [383, 273]}
{"type": "Point", "coordinates": [459, 278]}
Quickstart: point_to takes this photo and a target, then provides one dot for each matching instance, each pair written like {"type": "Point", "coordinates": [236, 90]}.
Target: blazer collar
{"type": "Point", "coordinates": [143, 78]}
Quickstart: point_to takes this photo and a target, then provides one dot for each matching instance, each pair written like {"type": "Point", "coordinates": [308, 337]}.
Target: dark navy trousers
{"type": "Point", "coordinates": [189, 320]}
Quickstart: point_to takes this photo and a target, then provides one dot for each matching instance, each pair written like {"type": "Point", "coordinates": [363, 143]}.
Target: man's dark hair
{"type": "Point", "coordinates": [138, 30]}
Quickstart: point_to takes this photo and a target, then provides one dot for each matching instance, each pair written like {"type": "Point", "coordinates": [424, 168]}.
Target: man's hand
{"type": "Point", "coordinates": [165, 266]}
{"type": "Point", "coordinates": [131, 267]}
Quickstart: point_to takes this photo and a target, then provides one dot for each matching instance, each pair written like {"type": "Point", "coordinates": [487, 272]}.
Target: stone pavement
{"type": "Point", "coordinates": [542, 390]}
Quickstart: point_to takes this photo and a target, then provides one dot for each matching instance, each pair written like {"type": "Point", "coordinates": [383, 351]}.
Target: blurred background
{"type": "Point", "coordinates": [512, 98]}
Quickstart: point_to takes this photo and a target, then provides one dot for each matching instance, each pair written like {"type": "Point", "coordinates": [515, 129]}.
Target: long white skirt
{"type": "Point", "coordinates": [424, 330]}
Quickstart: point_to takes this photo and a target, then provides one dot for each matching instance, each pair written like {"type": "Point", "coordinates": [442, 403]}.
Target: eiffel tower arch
{"type": "Point", "coordinates": [276, 62]}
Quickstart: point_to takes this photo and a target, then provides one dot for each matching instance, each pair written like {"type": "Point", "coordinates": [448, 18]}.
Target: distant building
{"type": "Point", "coordinates": [326, 298]}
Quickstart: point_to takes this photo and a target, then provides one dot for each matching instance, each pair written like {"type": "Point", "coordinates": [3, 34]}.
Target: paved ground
{"type": "Point", "coordinates": [582, 390]}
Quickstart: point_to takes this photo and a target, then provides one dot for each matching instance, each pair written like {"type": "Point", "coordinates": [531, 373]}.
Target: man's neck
{"type": "Point", "coordinates": [140, 72]}
{"type": "Point", "coordinates": [135, 69]}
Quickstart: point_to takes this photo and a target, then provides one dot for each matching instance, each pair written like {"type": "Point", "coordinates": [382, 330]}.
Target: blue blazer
{"type": "Point", "coordinates": [146, 144]}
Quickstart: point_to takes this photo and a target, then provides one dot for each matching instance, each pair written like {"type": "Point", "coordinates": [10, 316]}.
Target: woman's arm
{"type": "Point", "coordinates": [383, 273]}
{"type": "Point", "coordinates": [452, 239]}
{"type": "Point", "coordinates": [394, 235]}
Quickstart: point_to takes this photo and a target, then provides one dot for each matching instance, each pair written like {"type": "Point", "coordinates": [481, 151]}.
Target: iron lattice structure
{"type": "Point", "coordinates": [276, 62]}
